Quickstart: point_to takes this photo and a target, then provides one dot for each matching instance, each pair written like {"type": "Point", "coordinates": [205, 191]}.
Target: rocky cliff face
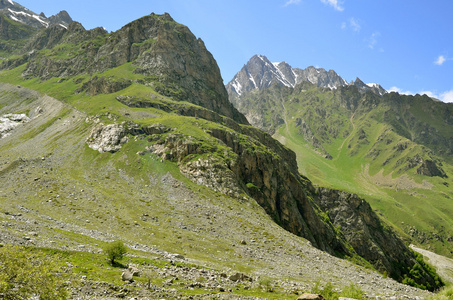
{"type": "Point", "coordinates": [363, 229]}
{"type": "Point", "coordinates": [250, 163]}
{"type": "Point", "coordinates": [165, 51]}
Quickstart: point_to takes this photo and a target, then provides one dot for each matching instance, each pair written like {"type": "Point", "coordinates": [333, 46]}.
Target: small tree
{"type": "Point", "coordinates": [115, 250]}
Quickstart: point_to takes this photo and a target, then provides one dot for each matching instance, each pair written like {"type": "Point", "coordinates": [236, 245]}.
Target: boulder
{"type": "Point", "coordinates": [127, 276]}
{"type": "Point", "coordinates": [176, 256]}
{"type": "Point", "coordinates": [308, 296]}
{"type": "Point", "coordinates": [107, 138]}
{"type": "Point", "coordinates": [133, 269]}
{"type": "Point", "coordinates": [239, 277]}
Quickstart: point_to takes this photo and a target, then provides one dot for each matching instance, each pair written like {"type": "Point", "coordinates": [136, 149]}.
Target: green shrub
{"type": "Point", "coordinates": [327, 291]}
{"type": "Point", "coordinates": [353, 292]}
{"type": "Point", "coordinates": [27, 273]}
{"type": "Point", "coordinates": [115, 251]}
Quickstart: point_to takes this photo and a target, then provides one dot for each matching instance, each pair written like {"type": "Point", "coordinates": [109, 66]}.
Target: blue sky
{"type": "Point", "coordinates": [404, 45]}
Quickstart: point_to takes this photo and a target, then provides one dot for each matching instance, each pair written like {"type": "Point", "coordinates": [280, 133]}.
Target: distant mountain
{"type": "Point", "coordinates": [359, 138]}
{"type": "Point", "coordinates": [260, 72]}
{"type": "Point", "coordinates": [18, 13]}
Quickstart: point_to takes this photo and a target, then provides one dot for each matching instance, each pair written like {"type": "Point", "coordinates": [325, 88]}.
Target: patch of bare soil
{"type": "Point", "coordinates": [402, 182]}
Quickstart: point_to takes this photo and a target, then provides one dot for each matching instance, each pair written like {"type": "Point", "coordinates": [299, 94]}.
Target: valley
{"type": "Point", "coordinates": [131, 136]}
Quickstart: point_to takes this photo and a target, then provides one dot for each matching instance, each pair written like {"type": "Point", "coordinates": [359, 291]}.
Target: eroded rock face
{"type": "Point", "coordinates": [103, 85]}
{"type": "Point", "coordinates": [10, 121]}
{"type": "Point", "coordinates": [107, 138]}
{"type": "Point", "coordinates": [430, 168]}
{"type": "Point", "coordinates": [254, 164]}
{"type": "Point", "coordinates": [363, 229]}
{"type": "Point", "coordinates": [305, 131]}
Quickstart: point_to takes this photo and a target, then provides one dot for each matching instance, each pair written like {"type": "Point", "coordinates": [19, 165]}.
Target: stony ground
{"type": "Point", "coordinates": [50, 198]}
{"type": "Point", "coordinates": [293, 266]}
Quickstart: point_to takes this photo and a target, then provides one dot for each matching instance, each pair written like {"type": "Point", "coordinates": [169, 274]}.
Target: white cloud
{"type": "Point", "coordinates": [400, 91]}
{"type": "Point", "coordinates": [444, 97]}
{"type": "Point", "coordinates": [440, 60]}
{"type": "Point", "coordinates": [334, 3]}
{"type": "Point", "coordinates": [429, 94]}
{"type": "Point", "coordinates": [372, 41]}
{"type": "Point", "coordinates": [447, 96]}
{"type": "Point", "coordinates": [290, 2]}
{"type": "Point", "coordinates": [354, 24]}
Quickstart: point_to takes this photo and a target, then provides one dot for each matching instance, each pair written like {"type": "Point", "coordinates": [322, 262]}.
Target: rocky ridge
{"type": "Point", "coordinates": [18, 13]}
{"type": "Point", "coordinates": [260, 73]}
{"type": "Point", "coordinates": [406, 137]}
{"type": "Point", "coordinates": [158, 47]}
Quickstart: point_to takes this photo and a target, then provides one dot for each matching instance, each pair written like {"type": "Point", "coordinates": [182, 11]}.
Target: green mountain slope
{"type": "Point", "coordinates": [394, 150]}
{"type": "Point", "coordinates": [130, 136]}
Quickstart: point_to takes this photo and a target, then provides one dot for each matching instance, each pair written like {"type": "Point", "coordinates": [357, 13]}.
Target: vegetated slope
{"type": "Point", "coordinates": [393, 150]}
{"type": "Point", "coordinates": [64, 195]}
{"type": "Point", "coordinates": [145, 105]}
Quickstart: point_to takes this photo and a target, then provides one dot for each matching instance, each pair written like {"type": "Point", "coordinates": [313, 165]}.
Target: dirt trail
{"type": "Point", "coordinates": [443, 265]}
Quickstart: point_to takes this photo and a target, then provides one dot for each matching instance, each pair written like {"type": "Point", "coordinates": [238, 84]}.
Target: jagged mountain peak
{"type": "Point", "coordinates": [260, 72]}
{"type": "Point", "coordinates": [18, 13]}
{"type": "Point", "coordinates": [364, 87]}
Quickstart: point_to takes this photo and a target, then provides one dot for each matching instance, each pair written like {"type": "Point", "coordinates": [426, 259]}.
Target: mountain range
{"type": "Point", "coordinates": [130, 136]}
{"type": "Point", "coordinates": [260, 73]}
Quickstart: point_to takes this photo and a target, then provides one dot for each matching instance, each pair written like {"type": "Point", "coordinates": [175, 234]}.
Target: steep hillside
{"type": "Point", "coordinates": [393, 150]}
{"type": "Point", "coordinates": [142, 145]}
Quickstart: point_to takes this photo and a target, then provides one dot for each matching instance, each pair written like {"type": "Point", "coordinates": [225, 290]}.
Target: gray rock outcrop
{"type": "Point", "coordinates": [10, 121]}
{"type": "Point", "coordinates": [107, 138]}
{"type": "Point", "coordinates": [363, 229]}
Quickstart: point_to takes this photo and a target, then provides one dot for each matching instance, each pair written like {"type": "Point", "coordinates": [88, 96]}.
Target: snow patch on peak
{"type": "Point", "coordinates": [262, 57]}
{"type": "Point", "coordinates": [373, 85]}
{"type": "Point", "coordinates": [18, 13]}
{"type": "Point", "coordinates": [41, 21]}
{"type": "Point", "coordinates": [15, 19]}
{"type": "Point", "coordinates": [10, 1]}
{"type": "Point", "coordinates": [253, 81]}
{"type": "Point", "coordinates": [237, 86]}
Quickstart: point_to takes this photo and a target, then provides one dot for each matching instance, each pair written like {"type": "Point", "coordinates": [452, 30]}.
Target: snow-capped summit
{"type": "Point", "coordinates": [260, 73]}
{"type": "Point", "coordinates": [18, 13]}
